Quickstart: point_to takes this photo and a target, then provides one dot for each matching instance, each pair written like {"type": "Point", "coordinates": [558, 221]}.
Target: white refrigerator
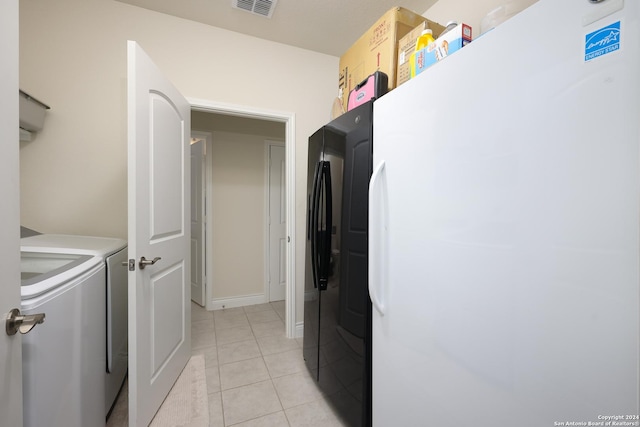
{"type": "Point", "coordinates": [504, 245]}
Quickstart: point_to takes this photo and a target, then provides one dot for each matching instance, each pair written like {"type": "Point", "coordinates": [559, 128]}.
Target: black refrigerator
{"type": "Point", "coordinates": [337, 308]}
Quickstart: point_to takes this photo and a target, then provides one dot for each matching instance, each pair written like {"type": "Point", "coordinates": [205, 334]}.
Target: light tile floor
{"type": "Point", "coordinates": [256, 377]}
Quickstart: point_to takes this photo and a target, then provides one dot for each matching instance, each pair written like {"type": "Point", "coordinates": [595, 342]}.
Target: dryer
{"type": "Point", "coordinates": [113, 253]}
{"type": "Point", "coordinates": [63, 359]}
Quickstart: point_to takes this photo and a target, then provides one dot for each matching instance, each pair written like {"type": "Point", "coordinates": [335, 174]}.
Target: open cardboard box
{"type": "Point", "coordinates": [376, 50]}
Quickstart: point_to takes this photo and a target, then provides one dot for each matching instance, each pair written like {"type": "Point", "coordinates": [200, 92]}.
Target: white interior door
{"type": "Point", "coordinates": [159, 182]}
{"type": "Point", "coordinates": [277, 223]}
{"type": "Point", "coordinates": [10, 346]}
{"type": "Point", "coordinates": [198, 248]}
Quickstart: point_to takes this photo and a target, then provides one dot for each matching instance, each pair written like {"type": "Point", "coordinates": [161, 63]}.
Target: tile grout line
{"type": "Point", "coordinates": [262, 355]}
{"type": "Point", "coordinates": [224, 422]}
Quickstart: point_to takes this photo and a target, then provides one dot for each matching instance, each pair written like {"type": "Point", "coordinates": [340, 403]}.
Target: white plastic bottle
{"type": "Point", "coordinates": [450, 26]}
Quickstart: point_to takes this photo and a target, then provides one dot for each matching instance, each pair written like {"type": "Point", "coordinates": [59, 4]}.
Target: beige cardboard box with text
{"type": "Point", "coordinates": [376, 50]}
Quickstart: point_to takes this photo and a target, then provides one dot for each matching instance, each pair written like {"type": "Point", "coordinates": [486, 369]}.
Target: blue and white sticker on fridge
{"type": "Point", "coordinates": [602, 42]}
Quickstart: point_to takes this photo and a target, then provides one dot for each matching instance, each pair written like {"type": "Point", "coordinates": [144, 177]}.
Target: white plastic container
{"type": "Point", "coordinates": [32, 113]}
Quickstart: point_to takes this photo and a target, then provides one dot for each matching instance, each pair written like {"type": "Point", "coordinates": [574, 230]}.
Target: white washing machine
{"type": "Point", "coordinates": [113, 253]}
{"type": "Point", "coordinates": [63, 358]}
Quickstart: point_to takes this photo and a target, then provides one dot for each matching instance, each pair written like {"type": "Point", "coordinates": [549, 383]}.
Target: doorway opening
{"type": "Point", "coordinates": [268, 118]}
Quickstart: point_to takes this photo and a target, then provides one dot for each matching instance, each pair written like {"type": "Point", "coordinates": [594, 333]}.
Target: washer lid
{"type": "Point", "coordinates": [41, 272]}
{"type": "Point", "coordinates": [67, 243]}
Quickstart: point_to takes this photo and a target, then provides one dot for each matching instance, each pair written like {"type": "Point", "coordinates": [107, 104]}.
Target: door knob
{"type": "Point", "coordinates": [23, 323]}
{"type": "Point", "coordinates": [144, 262]}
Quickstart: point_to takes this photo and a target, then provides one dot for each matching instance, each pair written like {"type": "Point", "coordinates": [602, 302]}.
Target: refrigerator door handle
{"type": "Point", "coordinates": [313, 225]}
{"type": "Point", "coordinates": [378, 226]}
{"type": "Point", "coordinates": [325, 256]}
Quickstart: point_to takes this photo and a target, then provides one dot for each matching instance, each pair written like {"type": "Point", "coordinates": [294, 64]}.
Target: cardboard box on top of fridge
{"type": "Point", "coordinates": [407, 45]}
{"type": "Point", "coordinates": [376, 50]}
{"type": "Point", "coordinates": [444, 46]}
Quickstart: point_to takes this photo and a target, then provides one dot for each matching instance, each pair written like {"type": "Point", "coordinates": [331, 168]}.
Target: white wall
{"type": "Point", "coordinates": [238, 215]}
{"type": "Point", "coordinates": [73, 57]}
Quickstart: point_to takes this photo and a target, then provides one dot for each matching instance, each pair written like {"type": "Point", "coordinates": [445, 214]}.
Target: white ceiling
{"type": "Point", "coordinates": [326, 26]}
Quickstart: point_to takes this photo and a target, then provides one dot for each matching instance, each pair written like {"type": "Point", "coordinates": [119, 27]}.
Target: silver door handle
{"type": "Point", "coordinates": [144, 262]}
{"type": "Point", "coordinates": [23, 323]}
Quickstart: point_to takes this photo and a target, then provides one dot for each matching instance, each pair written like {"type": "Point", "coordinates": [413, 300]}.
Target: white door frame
{"type": "Point", "coordinates": [268, 143]}
{"type": "Point", "coordinates": [289, 121]}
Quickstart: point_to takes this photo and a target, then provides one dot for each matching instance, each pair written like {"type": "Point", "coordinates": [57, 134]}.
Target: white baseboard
{"type": "Point", "coordinates": [242, 301]}
{"type": "Point", "coordinates": [299, 330]}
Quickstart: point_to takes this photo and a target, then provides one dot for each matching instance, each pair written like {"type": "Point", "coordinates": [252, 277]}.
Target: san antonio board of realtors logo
{"type": "Point", "coordinates": [602, 41]}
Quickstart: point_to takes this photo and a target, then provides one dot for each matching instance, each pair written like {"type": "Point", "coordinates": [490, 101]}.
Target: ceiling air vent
{"type": "Point", "coordinates": [257, 7]}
